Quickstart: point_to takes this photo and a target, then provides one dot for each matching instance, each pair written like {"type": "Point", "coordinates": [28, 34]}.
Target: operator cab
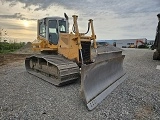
{"type": "Point", "coordinates": [51, 27]}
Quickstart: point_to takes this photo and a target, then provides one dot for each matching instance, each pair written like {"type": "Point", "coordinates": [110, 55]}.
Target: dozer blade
{"type": "Point", "coordinates": [100, 78]}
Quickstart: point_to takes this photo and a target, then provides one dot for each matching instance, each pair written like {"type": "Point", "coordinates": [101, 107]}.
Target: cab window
{"type": "Point", "coordinates": [62, 26]}
{"type": "Point", "coordinates": [42, 29]}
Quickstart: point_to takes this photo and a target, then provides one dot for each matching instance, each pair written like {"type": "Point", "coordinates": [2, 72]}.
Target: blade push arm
{"type": "Point", "coordinates": [78, 35]}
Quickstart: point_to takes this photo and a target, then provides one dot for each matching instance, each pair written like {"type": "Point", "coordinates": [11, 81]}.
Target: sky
{"type": "Point", "coordinates": [113, 19]}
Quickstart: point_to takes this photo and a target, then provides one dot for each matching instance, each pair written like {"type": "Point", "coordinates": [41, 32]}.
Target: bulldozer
{"type": "Point", "coordinates": [66, 57]}
{"type": "Point", "coordinates": [156, 54]}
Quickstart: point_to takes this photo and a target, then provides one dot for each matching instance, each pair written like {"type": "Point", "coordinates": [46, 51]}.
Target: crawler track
{"type": "Point", "coordinates": [53, 68]}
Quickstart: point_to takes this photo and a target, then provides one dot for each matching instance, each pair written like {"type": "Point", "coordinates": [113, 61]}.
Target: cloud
{"type": "Point", "coordinates": [16, 25]}
{"type": "Point", "coordinates": [40, 4]}
{"type": "Point", "coordinates": [16, 16]}
{"type": "Point", "coordinates": [92, 7]}
{"type": "Point", "coordinates": [16, 29]}
{"type": "Point", "coordinates": [112, 18]}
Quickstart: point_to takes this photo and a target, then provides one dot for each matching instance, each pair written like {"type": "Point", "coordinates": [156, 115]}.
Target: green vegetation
{"type": "Point", "coordinates": [6, 47]}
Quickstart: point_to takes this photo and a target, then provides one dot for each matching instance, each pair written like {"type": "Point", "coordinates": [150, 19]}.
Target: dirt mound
{"type": "Point", "coordinates": [26, 49]}
{"type": "Point", "coordinates": [19, 54]}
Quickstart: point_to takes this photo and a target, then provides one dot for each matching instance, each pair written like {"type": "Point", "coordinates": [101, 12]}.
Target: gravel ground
{"type": "Point", "coordinates": [26, 97]}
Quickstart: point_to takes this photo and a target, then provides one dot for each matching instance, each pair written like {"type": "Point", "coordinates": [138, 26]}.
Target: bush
{"type": "Point", "coordinates": [6, 47]}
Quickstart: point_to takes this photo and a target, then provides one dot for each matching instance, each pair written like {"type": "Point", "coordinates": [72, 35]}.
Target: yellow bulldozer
{"type": "Point", "coordinates": [66, 57]}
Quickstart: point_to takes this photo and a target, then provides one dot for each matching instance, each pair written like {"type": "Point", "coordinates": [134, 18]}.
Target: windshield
{"type": "Point", "coordinates": [53, 26]}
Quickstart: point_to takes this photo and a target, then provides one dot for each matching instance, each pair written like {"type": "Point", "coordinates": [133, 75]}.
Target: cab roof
{"type": "Point", "coordinates": [55, 18]}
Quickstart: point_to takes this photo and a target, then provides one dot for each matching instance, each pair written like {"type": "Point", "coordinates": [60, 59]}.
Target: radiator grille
{"type": "Point", "coordinates": [86, 52]}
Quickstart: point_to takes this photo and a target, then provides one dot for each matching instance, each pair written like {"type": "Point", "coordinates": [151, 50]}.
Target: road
{"type": "Point", "coordinates": [26, 97]}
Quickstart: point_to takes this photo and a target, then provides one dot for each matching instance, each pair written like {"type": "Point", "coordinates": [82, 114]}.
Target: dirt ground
{"type": "Point", "coordinates": [10, 58]}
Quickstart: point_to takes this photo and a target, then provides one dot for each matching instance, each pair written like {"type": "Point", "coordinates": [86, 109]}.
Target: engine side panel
{"type": "Point", "coordinates": [68, 47]}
